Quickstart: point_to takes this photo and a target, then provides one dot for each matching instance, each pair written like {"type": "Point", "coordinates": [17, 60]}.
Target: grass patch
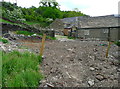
{"type": "Point", "coordinates": [31, 33]}
{"type": "Point", "coordinates": [5, 21]}
{"type": "Point", "coordinates": [20, 69]}
{"type": "Point", "coordinates": [51, 38]}
{"type": "Point", "coordinates": [0, 69]}
{"type": "Point", "coordinates": [71, 37]}
{"type": "Point", "coordinates": [31, 23]}
{"type": "Point", "coordinates": [3, 40]}
{"type": "Point", "coordinates": [48, 37]}
{"type": "Point", "coordinates": [24, 33]}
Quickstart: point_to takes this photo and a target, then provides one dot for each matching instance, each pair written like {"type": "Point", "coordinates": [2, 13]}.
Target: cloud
{"type": "Point", "coordinates": [92, 7]}
{"type": "Point", "coordinates": [89, 7]}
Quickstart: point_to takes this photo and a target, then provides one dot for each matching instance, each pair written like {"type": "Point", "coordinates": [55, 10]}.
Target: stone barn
{"type": "Point", "coordinates": [86, 27]}
{"type": "Point", "coordinates": [99, 28]}
{"type": "Point", "coordinates": [65, 25]}
{"type": "Point", "coordinates": [99, 33]}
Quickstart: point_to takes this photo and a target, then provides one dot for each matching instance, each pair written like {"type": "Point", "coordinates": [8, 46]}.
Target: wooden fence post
{"type": "Point", "coordinates": [42, 45]}
{"type": "Point", "coordinates": [108, 49]}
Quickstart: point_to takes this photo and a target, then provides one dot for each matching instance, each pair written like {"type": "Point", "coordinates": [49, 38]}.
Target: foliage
{"type": "Point", "coordinates": [11, 11]}
{"type": "Point", "coordinates": [45, 14]}
{"type": "Point", "coordinates": [49, 3]}
{"type": "Point", "coordinates": [20, 69]}
{"type": "Point", "coordinates": [117, 43]}
{"type": "Point", "coordinates": [3, 40]}
{"type": "Point", "coordinates": [67, 14]}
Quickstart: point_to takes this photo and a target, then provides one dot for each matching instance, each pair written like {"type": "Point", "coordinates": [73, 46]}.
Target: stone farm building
{"type": "Point", "coordinates": [86, 27]}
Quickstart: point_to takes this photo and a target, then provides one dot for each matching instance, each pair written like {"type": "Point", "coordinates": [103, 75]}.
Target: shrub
{"type": "Point", "coordinates": [3, 40]}
{"type": "Point", "coordinates": [20, 69]}
{"type": "Point", "coordinates": [117, 43]}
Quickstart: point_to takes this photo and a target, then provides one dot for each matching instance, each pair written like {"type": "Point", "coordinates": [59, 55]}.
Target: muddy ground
{"type": "Point", "coordinates": [75, 63]}
{"type": "Point", "coordinates": [80, 64]}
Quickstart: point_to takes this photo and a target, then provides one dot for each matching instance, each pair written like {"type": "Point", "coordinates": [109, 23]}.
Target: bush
{"type": "Point", "coordinates": [117, 43]}
{"type": "Point", "coordinates": [20, 69]}
{"type": "Point", "coordinates": [3, 40]}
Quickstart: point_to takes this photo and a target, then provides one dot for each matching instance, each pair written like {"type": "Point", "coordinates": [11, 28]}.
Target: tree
{"type": "Point", "coordinates": [76, 9]}
{"type": "Point", "coordinates": [49, 3]}
{"type": "Point", "coordinates": [50, 12]}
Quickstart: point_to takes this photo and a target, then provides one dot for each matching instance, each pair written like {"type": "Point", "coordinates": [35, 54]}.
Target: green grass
{"type": "Point", "coordinates": [31, 23]}
{"type": "Point", "coordinates": [70, 37]}
{"type": "Point", "coordinates": [51, 38]}
{"type": "Point", "coordinates": [24, 33]}
{"type": "Point", "coordinates": [5, 21]}
{"type": "Point", "coordinates": [31, 33]}
{"type": "Point", "coordinates": [20, 69]}
{"type": "Point", "coordinates": [3, 40]}
{"type": "Point", "coordinates": [0, 69]}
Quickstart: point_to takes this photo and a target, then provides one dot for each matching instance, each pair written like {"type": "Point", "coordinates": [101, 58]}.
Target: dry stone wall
{"type": "Point", "coordinates": [8, 27]}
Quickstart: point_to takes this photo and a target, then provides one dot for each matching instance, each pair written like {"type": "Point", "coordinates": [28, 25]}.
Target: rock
{"type": "Point", "coordinates": [34, 34]}
{"type": "Point", "coordinates": [49, 85]}
{"type": "Point", "coordinates": [92, 69]}
{"type": "Point", "coordinates": [100, 77]}
{"type": "Point", "coordinates": [95, 50]}
{"type": "Point", "coordinates": [91, 82]}
{"type": "Point", "coordinates": [68, 56]}
{"type": "Point", "coordinates": [9, 50]}
{"type": "Point", "coordinates": [69, 49]}
{"type": "Point", "coordinates": [7, 35]}
{"type": "Point", "coordinates": [118, 69]}
{"type": "Point", "coordinates": [43, 57]}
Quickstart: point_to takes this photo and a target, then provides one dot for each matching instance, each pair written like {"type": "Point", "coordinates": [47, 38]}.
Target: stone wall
{"type": "Point", "coordinates": [99, 33]}
{"type": "Point", "coordinates": [8, 27]}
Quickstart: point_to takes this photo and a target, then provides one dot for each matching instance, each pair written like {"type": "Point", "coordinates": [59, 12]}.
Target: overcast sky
{"type": "Point", "coordinates": [89, 7]}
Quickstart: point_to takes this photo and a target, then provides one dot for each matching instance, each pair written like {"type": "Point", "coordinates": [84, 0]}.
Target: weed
{"type": "Point", "coordinates": [20, 69]}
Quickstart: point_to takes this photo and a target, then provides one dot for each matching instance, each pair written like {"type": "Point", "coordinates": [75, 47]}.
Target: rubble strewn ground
{"type": "Point", "coordinates": [80, 64]}
{"type": "Point", "coordinates": [75, 63]}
